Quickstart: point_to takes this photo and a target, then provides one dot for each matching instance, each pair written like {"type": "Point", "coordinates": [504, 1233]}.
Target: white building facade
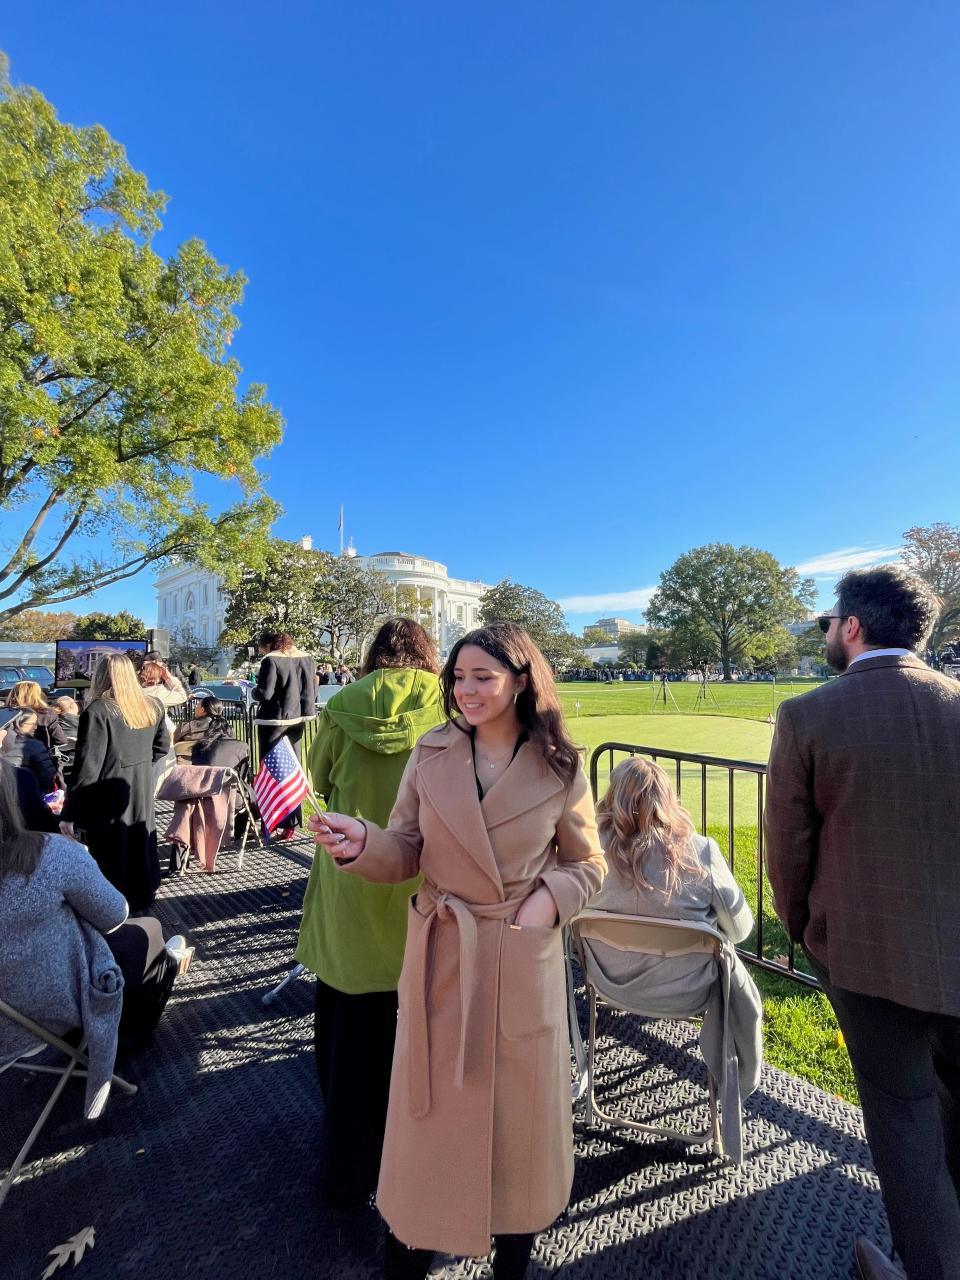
{"type": "Point", "coordinates": [192, 596]}
{"type": "Point", "coordinates": [188, 596]}
{"type": "Point", "coordinates": [454, 603]}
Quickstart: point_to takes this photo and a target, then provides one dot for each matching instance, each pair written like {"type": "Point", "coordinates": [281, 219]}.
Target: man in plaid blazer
{"type": "Point", "coordinates": [862, 834]}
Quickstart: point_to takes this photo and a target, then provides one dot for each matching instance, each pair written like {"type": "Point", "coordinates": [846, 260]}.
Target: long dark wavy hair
{"type": "Point", "coordinates": [538, 707]}
{"type": "Point", "coordinates": [401, 642]}
{"type": "Point", "coordinates": [20, 849]}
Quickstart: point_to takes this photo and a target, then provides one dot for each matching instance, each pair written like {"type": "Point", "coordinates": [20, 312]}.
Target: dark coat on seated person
{"type": "Point", "coordinates": [36, 816]}
{"type": "Point", "coordinates": [27, 753]}
{"type": "Point", "coordinates": [222, 753]}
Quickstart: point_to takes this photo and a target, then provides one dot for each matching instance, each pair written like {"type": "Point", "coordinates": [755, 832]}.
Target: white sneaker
{"type": "Point", "coordinates": [177, 948]}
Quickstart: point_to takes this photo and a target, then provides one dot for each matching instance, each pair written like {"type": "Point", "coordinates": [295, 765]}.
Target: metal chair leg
{"type": "Point", "coordinates": [35, 1131]}
{"type": "Point", "coordinates": [271, 995]}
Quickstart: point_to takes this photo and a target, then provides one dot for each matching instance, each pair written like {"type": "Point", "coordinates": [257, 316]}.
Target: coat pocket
{"type": "Point", "coordinates": [532, 989]}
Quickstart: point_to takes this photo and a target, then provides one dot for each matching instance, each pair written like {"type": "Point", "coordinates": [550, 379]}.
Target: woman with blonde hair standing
{"type": "Point", "coordinates": [110, 793]}
{"type": "Point", "coordinates": [495, 812]}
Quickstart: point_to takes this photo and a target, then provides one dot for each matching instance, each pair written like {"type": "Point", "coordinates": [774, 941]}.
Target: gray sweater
{"type": "Point", "coordinates": [55, 964]}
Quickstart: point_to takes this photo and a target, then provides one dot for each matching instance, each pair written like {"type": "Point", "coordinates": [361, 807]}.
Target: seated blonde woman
{"type": "Point", "coordinates": [658, 866]}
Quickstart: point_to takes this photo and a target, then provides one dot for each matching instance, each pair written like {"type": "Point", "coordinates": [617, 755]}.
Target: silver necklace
{"type": "Point", "coordinates": [491, 763]}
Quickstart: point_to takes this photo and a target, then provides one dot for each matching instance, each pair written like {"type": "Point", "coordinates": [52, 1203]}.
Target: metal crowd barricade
{"type": "Point", "coordinates": [735, 770]}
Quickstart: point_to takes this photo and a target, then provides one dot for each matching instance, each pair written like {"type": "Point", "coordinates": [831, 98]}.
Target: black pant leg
{"type": "Point", "coordinates": [892, 1050]}
{"type": "Point", "coordinates": [511, 1256]}
{"type": "Point", "coordinates": [148, 976]}
{"type": "Point", "coordinates": [353, 1042]}
{"type": "Point", "coordinates": [401, 1263]}
{"type": "Point", "coordinates": [946, 1063]}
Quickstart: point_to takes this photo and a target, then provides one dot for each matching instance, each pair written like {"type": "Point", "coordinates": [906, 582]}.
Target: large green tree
{"type": "Point", "coordinates": [541, 617]}
{"type": "Point", "coordinates": [353, 601]}
{"type": "Point", "coordinates": [596, 636]}
{"type": "Point", "coordinates": [116, 386]}
{"type": "Point", "coordinates": [187, 650]}
{"type": "Point", "coordinates": [932, 552]}
{"type": "Point", "coordinates": [281, 592]}
{"type": "Point", "coordinates": [109, 626]}
{"type": "Point", "coordinates": [326, 602]}
{"type": "Point", "coordinates": [739, 594]}
{"type": "Point", "coordinates": [632, 647]}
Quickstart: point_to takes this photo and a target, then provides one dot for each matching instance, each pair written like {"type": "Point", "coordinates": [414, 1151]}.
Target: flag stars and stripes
{"type": "Point", "coordinates": [280, 785]}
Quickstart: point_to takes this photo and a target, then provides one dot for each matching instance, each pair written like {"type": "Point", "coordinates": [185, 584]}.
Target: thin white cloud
{"type": "Point", "coordinates": [847, 558]}
{"type": "Point", "coordinates": [638, 599]}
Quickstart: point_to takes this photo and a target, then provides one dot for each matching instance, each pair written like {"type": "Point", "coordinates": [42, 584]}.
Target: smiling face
{"type": "Point", "coordinates": [484, 689]}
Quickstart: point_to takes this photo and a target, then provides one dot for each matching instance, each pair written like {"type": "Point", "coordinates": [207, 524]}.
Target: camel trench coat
{"type": "Point", "coordinates": [479, 1135]}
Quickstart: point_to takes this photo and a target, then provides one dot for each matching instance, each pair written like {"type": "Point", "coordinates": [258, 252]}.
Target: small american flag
{"type": "Point", "coordinates": [280, 785]}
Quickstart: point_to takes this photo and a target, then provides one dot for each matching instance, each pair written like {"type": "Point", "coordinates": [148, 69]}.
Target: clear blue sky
{"type": "Point", "coordinates": [554, 290]}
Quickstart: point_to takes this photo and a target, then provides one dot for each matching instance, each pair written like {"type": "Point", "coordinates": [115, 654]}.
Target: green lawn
{"type": "Point", "coordinates": [637, 697]}
{"type": "Point", "coordinates": [800, 1031]}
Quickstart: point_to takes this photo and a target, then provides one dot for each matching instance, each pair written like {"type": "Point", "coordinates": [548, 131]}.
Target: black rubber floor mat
{"type": "Point", "coordinates": [209, 1171]}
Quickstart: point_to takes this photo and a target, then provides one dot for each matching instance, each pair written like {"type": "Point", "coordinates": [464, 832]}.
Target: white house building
{"type": "Point", "coordinates": [192, 596]}
{"type": "Point", "coordinates": [454, 602]}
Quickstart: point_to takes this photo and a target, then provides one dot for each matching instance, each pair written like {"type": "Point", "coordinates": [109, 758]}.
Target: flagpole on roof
{"type": "Point", "coordinates": [340, 527]}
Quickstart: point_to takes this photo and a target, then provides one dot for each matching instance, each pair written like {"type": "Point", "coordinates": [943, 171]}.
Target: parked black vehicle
{"type": "Point", "coordinates": [11, 675]}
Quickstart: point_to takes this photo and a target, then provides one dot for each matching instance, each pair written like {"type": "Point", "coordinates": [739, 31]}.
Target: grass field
{"type": "Point", "coordinates": [800, 1031]}
{"type": "Point", "coordinates": [745, 701]}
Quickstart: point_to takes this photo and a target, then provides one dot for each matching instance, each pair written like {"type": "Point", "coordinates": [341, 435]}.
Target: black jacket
{"type": "Point", "coordinates": [36, 816]}
{"type": "Point", "coordinates": [110, 797]}
{"type": "Point", "coordinates": [29, 754]}
{"type": "Point", "coordinates": [286, 688]}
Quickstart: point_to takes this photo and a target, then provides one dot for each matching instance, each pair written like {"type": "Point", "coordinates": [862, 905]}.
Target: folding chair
{"type": "Point", "coordinates": [643, 935]}
{"type": "Point", "coordinates": [75, 1067]}
{"type": "Point", "coordinates": [231, 780]}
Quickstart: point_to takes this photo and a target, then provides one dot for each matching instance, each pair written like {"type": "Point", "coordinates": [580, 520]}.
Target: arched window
{"type": "Point", "coordinates": [204, 595]}
{"type": "Point", "coordinates": [189, 603]}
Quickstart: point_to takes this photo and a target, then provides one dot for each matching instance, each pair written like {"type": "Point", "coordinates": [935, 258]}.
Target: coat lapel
{"type": "Point", "coordinates": [447, 780]}
{"type": "Point", "coordinates": [527, 783]}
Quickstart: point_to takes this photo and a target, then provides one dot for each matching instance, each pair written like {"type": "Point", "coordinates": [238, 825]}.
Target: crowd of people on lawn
{"type": "Point", "coordinates": [459, 837]}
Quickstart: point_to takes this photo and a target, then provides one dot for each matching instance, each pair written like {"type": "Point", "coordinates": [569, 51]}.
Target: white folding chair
{"type": "Point", "coordinates": [76, 1067]}
{"type": "Point", "coordinates": [643, 935]}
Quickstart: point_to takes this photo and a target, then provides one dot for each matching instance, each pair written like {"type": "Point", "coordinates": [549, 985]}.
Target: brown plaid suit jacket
{"type": "Point", "coordinates": [862, 830]}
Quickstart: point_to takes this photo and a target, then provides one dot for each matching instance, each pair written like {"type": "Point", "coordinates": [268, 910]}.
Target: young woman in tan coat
{"type": "Point", "coordinates": [495, 812]}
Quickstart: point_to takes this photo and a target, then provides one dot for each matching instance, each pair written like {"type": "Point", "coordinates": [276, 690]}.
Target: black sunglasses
{"type": "Point", "coordinates": [823, 622]}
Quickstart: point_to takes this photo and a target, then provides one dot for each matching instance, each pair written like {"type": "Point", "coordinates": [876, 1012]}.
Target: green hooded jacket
{"type": "Point", "coordinates": [353, 933]}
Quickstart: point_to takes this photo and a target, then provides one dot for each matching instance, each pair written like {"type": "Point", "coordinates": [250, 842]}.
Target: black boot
{"type": "Point", "coordinates": [511, 1256]}
{"type": "Point", "coordinates": [403, 1263]}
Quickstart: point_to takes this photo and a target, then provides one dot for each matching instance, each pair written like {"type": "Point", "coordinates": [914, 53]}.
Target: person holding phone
{"type": "Point", "coordinates": [495, 813]}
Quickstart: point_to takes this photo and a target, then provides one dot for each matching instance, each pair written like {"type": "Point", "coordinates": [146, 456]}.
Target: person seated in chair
{"type": "Point", "coordinates": [23, 750]}
{"type": "Point", "coordinates": [208, 739]}
{"type": "Point", "coordinates": [658, 866]}
{"type": "Point", "coordinates": [68, 712]}
{"type": "Point", "coordinates": [65, 941]}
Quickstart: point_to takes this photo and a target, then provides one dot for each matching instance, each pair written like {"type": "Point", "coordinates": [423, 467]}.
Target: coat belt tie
{"type": "Point", "coordinates": [445, 906]}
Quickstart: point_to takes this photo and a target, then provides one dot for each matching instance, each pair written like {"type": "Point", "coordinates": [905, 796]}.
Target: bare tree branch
{"type": "Point", "coordinates": [53, 497]}
{"type": "Point", "coordinates": [32, 570]}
